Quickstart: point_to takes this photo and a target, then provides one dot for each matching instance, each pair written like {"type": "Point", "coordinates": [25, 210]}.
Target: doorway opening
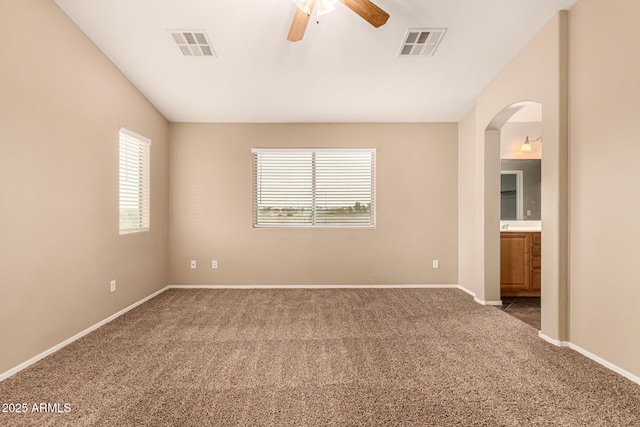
{"type": "Point", "coordinates": [518, 163]}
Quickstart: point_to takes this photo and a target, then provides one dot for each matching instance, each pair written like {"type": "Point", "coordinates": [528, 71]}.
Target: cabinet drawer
{"type": "Point", "coordinates": [536, 262]}
{"type": "Point", "coordinates": [537, 238]}
{"type": "Point", "coordinates": [536, 251]}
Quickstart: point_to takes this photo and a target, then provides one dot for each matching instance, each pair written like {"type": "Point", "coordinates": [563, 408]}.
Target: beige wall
{"type": "Point", "coordinates": [211, 208]}
{"type": "Point", "coordinates": [589, 255]}
{"type": "Point", "coordinates": [538, 73]}
{"type": "Point", "coordinates": [61, 105]}
{"type": "Point", "coordinates": [467, 245]}
{"type": "Point", "coordinates": [605, 172]}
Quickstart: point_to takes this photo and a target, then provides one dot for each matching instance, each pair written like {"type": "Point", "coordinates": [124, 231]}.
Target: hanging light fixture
{"type": "Point", "coordinates": [324, 6]}
{"type": "Point", "coordinates": [526, 145]}
{"type": "Point", "coordinates": [304, 5]}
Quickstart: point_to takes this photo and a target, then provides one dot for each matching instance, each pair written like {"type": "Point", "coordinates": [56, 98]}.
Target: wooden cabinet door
{"type": "Point", "coordinates": [515, 261]}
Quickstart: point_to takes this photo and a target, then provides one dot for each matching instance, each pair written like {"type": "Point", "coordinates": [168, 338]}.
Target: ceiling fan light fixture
{"type": "Point", "coordinates": [326, 6]}
{"type": "Point", "coordinates": [304, 5]}
{"type": "Point", "coordinates": [365, 8]}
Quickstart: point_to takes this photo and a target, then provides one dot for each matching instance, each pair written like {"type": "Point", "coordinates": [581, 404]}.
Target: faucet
{"type": "Point", "coordinates": [505, 227]}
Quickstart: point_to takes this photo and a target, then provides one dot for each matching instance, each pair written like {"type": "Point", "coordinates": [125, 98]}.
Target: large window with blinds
{"type": "Point", "coordinates": [135, 153]}
{"type": "Point", "coordinates": [313, 187]}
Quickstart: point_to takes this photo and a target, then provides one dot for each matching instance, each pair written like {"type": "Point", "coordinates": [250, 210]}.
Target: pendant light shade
{"type": "Point", "coordinates": [303, 5]}
{"type": "Point", "coordinates": [526, 145]}
{"type": "Point", "coordinates": [324, 6]}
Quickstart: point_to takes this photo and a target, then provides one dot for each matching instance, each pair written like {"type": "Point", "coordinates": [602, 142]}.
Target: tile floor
{"type": "Point", "coordinates": [526, 309]}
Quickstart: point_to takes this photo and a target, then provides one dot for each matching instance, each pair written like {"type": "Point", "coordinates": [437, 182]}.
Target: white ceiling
{"type": "Point", "coordinates": [344, 70]}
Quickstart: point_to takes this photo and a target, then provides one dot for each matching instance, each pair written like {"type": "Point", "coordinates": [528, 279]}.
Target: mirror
{"type": "Point", "coordinates": [520, 181]}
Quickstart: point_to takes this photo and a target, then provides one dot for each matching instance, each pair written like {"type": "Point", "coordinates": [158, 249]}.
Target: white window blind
{"type": "Point", "coordinates": [135, 153]}
{"type": "Point", "coordinates": [314, 187]}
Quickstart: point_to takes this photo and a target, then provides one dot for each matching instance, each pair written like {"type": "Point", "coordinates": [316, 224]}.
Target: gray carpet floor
{"type": "Point", "coordinates": [379, 357]}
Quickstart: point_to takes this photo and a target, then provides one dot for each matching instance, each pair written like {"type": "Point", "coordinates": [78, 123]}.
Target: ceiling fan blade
{"type": "Point", "coordinates": [299, 24]}
{"type": "Point", "coordinates": [368, 11]}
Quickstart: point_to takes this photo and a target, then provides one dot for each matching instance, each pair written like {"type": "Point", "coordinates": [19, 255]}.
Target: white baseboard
{"type": "Point", "coordinates": [586, 353]}
{"type": "Point", "coordinates": [478, 300]}
{"type": "Point", "coordinates": [553, 341]}
{"type": "Point", "coordinates": [483, 302]}
{"type": "Point", "coordinates": [420, 286]}
{"type": "Point", "coordinates": [605, 363]}
{"type": "Point", "coordinates": [462, 288]}
{"type": "Point", "coordinates": [414, 286]}
{"type": "Point", "coordinates": [79, 335]}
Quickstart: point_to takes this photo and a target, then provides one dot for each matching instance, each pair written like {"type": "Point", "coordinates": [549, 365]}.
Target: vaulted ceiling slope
{"type": "Point", "coordinates": [344, 70]}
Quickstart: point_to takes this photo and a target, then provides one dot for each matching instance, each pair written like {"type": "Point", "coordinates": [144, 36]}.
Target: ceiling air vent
{"type": "Point", "coordinates": [193, 42]}
{"type": "Point", "coordinates": [421, 41]}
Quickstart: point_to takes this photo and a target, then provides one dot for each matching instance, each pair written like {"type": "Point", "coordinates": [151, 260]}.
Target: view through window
{"type": "Point", "coordinates": [314, 187]}
{"type": "Point", "coordinates": [135, 152]}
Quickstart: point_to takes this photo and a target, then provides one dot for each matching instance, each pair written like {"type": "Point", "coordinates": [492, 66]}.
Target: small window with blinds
{"type": "Point", "coordinates": [313, 187]}
{"type": "Point", "coordinates": [135, 153]}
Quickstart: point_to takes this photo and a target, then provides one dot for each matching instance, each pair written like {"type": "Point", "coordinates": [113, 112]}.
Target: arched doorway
{"type": "Point", "coordinates": [554, 170]}
{"type": "Point", "coordinates": [520, 214]}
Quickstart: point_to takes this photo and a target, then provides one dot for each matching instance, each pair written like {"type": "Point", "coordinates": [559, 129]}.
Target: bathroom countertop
{"type": "Point", "coordinates": [521, 230]}
{"type": "Point", "coordinates": [521, 226]}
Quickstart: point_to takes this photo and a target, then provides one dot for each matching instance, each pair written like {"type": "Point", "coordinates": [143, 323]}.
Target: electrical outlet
{"type": "Point", "coordinates": [113, 286]}
{"type": "Point", "coordinates": [436, 264]}
{"type": "Point", "coordinates": [214, 263]}
{"type": "Point", "coordinates": [193, 264]}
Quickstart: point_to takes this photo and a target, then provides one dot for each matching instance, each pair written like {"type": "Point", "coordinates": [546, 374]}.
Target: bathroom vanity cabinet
{"type": "Point", "coordinates": [520, 263]}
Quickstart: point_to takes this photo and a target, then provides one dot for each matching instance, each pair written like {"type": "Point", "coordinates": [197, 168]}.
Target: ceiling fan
{"type": "Point", "coordinates": [367, 10]}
